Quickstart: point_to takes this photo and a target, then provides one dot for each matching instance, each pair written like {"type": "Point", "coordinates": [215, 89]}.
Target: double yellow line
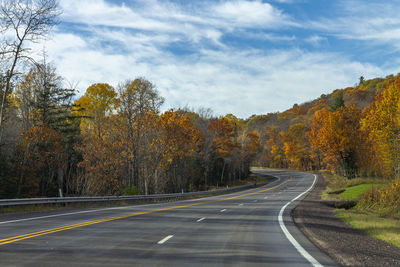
{"type": "Point", "coordinates": [73, 226]}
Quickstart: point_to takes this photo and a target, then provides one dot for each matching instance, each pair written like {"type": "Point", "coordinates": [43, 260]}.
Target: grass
{"type": "Point", "coordinates": [339, 188]}
{"type": "Point", "coordinates": [355, 192]}
{"type": "Point", "coordinates": [385, 229]}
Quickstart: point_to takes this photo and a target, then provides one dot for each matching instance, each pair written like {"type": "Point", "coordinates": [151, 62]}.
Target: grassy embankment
{"type": "Point", "coordinates": [378, 205]}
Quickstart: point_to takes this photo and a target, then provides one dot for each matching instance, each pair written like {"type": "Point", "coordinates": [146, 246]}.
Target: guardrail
{"type": "Point", "coordinates": [143, 198]}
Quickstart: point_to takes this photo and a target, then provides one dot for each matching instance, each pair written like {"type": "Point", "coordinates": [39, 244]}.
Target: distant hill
{"type": "Point", "coordinates": [363, 95]}
{"type": "Point", "coordinates": [284, 136]}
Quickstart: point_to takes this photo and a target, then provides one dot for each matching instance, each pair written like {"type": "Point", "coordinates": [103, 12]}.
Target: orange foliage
{"type": "Point", "coordinates": [40, 154]}
{"type": "Point", "coordinates": [337, 135]}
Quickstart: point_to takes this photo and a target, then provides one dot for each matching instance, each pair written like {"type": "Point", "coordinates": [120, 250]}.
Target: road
{"type": "Point", "coordinates": [240, 229]}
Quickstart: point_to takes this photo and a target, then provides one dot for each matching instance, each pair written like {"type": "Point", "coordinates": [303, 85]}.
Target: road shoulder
{"type": "Point", "coordinates": [344, 244]}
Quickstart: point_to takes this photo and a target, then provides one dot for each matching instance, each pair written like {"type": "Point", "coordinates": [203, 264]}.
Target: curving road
{"type": "Point", "coordinates": [247, 228]}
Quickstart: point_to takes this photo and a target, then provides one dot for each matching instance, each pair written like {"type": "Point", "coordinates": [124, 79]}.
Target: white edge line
{"type": "Point", "coordinates": [201, 219]}
{"type": "Point", "coordinates": [162, 241]}
{"type": "Point", "coordinates": [294, 242]}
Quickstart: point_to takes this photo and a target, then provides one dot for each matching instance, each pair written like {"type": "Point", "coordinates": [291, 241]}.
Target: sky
{"type": "Point", "coordinates": [242, 57]}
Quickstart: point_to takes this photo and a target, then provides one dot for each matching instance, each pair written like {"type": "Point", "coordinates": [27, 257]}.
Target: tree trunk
{"type": "Point", "coordinates": [21, 176]}
{"type": "Point", "coordinates": [60, 175]}
{"type": "Point", "coordinates": [223, 169]}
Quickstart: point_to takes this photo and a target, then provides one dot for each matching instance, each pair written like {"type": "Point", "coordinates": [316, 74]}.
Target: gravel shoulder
{"type": "Point", "coordinates": [344, 244]}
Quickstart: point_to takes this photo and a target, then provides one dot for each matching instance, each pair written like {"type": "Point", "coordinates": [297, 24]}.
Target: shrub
{"type": "Point", "coordinates": [130, 191]}
{"type": "Point", "coordinates": [385, 201]}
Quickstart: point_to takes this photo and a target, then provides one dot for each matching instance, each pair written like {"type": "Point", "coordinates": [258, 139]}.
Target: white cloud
{"type": "Point", "coordinates": [316, 40]}
{"type": "Point", "coordinates": [229, 81]}
{"type": "Point", "coordinates": [207, 20]}
{"type": "Point", "coordinates": [373, 21]}
{"type": "Point", "coordinates": [270, 37]}
{"type": "Point", "coordinates": [123, 42]}
{"type": "Point", "coordinates": [102, 13]}
{"type": "Point", "coordinates": [251, 14]}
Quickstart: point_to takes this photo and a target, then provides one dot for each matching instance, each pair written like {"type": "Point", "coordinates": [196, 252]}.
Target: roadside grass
{"type": "Point", "coordinates": [386, 229]}
{"type": "Point", "coordinates": [376, 218]}
{"type": "Point", "coordinates": [351, 192]}
{"type": "Point", "coordinates": [338, 187]}
{"type": "Point", "coordinates": [355, 192]}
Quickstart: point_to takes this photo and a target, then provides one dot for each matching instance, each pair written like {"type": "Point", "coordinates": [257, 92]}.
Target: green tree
{"type": "Point", "coordinates": [46, 105]}
{"type": "Point", "coordinates": [362, 80]}
{"type": "Point", "coordinates": [338, 101]}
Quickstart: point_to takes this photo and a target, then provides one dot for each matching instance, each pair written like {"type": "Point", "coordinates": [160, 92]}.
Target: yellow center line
{"type": "Point", "coordinates": [73, 226]}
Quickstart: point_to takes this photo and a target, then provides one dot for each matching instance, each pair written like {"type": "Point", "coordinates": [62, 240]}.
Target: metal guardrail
{"type": "Point", "coordinates": [149, 198]}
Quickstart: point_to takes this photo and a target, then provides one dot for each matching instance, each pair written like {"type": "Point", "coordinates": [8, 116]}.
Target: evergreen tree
{"type": "Point", "coordinates": [48, 106]}
{"type": "Point", "coordinates": [362, 80]}
{"type": "Point", "coordinates": [338, 101]}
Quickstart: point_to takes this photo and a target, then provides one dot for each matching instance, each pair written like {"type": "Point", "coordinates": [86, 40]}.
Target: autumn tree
{"type": "Point", "coordinates": [297, 147]}
{"type": "Point", "coordinates": [102, 168]}
{"type": "Point", "coordinates": [224, 141]}
{"type": "Point", "coordinates": [251, 144]}
{"type": "Point", "coordinates": [40, 156]}
{"type": "Point", "coordinates": [43, 102]}
{"type": "Point", "coordinates": [382, 123]}
{"type": "Point", "coordinates": [94, 106]}
{"type": "Point", "coordinates": [337, 136]}
{"type": "Point", "coordinates": [136, 99]}
{"type": "Point", "coordinates": [176, 141]}
{"type": "Point", "coordinates": [273, 147]}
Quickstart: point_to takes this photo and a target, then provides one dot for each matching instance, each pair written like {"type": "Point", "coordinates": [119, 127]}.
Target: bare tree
{"type": "Point", "coordinates": [22, 22]}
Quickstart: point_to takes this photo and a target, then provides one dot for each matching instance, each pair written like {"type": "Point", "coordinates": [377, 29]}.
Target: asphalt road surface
{"type": "Point", "coordinates": [247, 228]}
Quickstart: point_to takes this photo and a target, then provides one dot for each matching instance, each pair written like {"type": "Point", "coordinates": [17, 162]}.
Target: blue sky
{"type": "Point", "coordinates": [234, 56]}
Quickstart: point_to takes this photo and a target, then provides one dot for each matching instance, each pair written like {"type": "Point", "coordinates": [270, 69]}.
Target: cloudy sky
{"type": "Point", "coordinates": [235, 56]}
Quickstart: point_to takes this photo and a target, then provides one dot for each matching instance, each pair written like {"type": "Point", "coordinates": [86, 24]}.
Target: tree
{"type": "Point", "coordinates": [338, 101]}
{"type": "Point", "coordinates": [40, 155]}
{"type": "Point", "coordinates": [224, 142]}
{"type": "Point", "coordinates": [21, 22]}
{"type": "Point", "coordinates": [337, 136]}
{"type": "Point", "coordinates": [99, 100]}
{"type": "Point", "coordinates": [297, 146]}
{"type": "Point", "coordinates": [362, 80]}
{"type": "Point", "coordinates": [137, 98]}
{"type": "Point", "coordinates": [102, 164]}
{"type": "Point", "coordinates": [382, 123]}
{"type": "Point", "coordinates": [43, 102]}
{"type": "Point", "coordinates": [273, 147]}
{"type": "Point", "coordinates": [175, 141]}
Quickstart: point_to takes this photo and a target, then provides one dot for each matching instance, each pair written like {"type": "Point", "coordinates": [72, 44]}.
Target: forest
{"type": "Point", "coordinates": [114, 140]}
{"type": "Point", "coordinates": [108, 141]}
{"type": "Point", "coordinates": [352, 132]}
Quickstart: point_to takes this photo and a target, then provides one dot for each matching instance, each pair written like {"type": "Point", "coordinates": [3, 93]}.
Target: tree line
{"type": "Point", "coordinates": [114, 141]}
